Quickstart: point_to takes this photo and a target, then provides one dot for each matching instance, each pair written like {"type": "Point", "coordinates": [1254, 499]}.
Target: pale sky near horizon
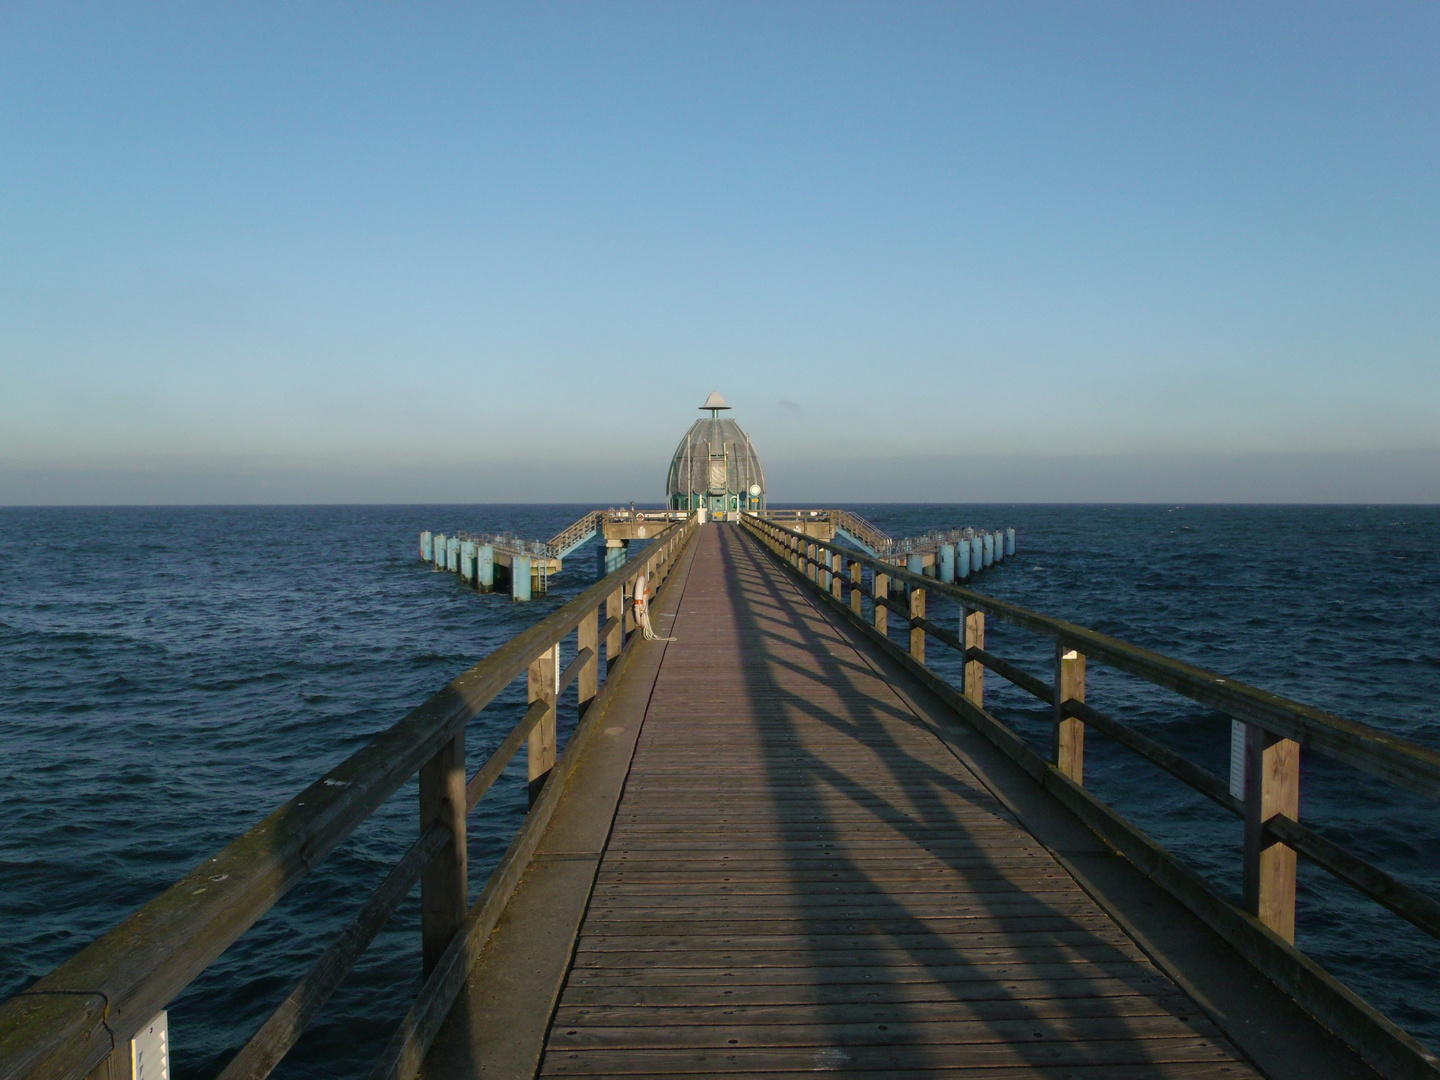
{"type": "Point", "coordinates": [300, 252]}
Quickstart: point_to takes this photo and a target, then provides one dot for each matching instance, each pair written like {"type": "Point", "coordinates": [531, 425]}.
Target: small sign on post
{"type": "Point", "coordinates": [150, 1050]}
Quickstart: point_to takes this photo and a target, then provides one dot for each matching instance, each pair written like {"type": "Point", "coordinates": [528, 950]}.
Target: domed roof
{"type": "Point", "coordinates": [715, 457]}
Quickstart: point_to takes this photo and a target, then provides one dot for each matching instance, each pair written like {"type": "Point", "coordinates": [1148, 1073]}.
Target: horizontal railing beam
{"type": "Point", "coordinates": [1012, 674]}
{"type": "Point", "coordinates": [1202, 780]}
{"type": "Point", "coordinates": [1410, 904]}
{"type": "Point", "coordinates": [258, 1057]}
{"type": "Point", "coordinates": [572, 669]}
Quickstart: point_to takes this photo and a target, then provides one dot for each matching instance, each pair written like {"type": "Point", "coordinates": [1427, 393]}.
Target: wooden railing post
{"type": "Point", "coordinates": [972, 633]}
{"type": "Point", "coordinates": [856, 583]}
{"type": "Point", "coordinates": [837, 574]}
{"type": "Point", "coordinates": [881, 588]}
{"type": "Point", "coordinates": [615, 639]}
{"type": "Point", "coordinates": [629, 594]}
{"type": "Point", "coordinates": [1272, 786]}
{"type": "Point", "coordinates": [810, 560]}
{"type": "Point", "coordinates": [917, 635]}
{"type": "Point", "coordinates": [1069, 734]}
{"type": "Point", "coordinates": [587, 680]}
{"type": "Point", "coordinates": [544, 678]}
{"type": "Point", "coordinates": [442, 885]}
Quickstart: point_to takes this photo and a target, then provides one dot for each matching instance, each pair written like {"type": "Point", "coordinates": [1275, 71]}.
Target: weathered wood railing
{"type": "Point", "coordinates": [78, 1020]}
{"type": "Point", "coordinates": [1275, 729]}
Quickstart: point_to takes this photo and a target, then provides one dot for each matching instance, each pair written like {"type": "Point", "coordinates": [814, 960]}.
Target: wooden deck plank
{"type": "Point", "coordinates": [802, 877]}
{"type": "Point", "coordinates": [875, 1012]}
{"type": "Point", "coordinates": [1062, 1024]}
{"type": "Point", "coordinates": [815, 995]}
{"type": "Point", "coordinates": [851, 942]}
{"type": "Point", "coordinates": [814, 974]}
{"type": "Point", "coordinates": [894, 1060]}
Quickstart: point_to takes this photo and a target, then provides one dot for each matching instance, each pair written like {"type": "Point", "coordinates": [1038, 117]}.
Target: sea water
{"type": "Point", "coordinates": [169, 675]}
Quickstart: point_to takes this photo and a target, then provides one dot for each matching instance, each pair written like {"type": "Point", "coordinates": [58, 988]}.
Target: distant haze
{"type": "Point", "coordinates": [1021, 252]}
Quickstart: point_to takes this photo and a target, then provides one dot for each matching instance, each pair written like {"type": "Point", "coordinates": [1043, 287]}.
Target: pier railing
{"type": "Point", "coordinates": [1267, 745]}
{"type": "Point", "coordinates": [78, 1020]}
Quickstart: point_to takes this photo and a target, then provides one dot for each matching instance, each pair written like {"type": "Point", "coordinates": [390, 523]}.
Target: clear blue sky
{"type": "Point", "coordinates": [330, 252]}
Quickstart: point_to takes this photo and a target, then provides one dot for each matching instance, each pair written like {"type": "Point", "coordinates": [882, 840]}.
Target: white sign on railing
{"type": "Point", "coordinates": [150, 1050]}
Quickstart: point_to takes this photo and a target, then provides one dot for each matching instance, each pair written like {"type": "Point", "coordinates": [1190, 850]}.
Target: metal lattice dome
{"type": "Point", "coordinates": [715, 466]}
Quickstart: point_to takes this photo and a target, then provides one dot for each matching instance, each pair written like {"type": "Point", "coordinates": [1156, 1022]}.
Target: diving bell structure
{"type": "Point", "coordinates": [715, 466]}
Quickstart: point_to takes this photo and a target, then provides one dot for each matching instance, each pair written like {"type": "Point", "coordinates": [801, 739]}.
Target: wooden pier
{"type": "Point", "coordinates": [781, 844]}
{"type": "Point", "coordinates": [803, 876]}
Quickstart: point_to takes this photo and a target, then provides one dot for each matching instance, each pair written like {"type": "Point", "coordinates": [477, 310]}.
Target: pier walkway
{"type": "Point", "coordinates": [803, 875]}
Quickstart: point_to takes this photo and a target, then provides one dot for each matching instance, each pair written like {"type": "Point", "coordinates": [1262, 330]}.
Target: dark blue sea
{"type": "Point", "coordinates": [169, 675]}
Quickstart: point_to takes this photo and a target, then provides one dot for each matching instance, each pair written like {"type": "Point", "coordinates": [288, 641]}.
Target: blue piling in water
{"type": "Point", "coordinates": [439, 551]}
{"type": "Point", "coordinates": [987, 548]}
{"type": "Point", "coordinates": [452, 554]}
{"type": "Point", "coordinates": [947, 563]}
{"type": "Point", "coordinates": [485, 567]}
{"type": "Point", "coordinates": [616, 557]}
{"type": "Point", "coordinates": [977, 553]}
{"type": "Point", "coordinates": [915, 564]}
{"type": "Point", "coordinates": [467, 561]}
{"type": "Point", "coordinates": [520, 577]}
{"type": "Point", "coordinates": [427, 547]}
{"type": "Point", "coordinates": [1009, 542]}
{"type": "Point", "coordinates": [999, 546]}
{"type": "Point", "coordinates": [962, 561]}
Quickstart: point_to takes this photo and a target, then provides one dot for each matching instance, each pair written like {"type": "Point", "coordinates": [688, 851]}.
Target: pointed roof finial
{"type": "Point", "coordinates": [714, 403]}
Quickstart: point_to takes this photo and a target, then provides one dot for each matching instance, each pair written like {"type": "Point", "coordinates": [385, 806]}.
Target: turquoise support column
{"type": "Point", "coordinates": [452, 554]}
{"type": "Point", "coordinates": [616, 557]}
{"type": "Point", "coordinates": [467, 561]}
{"type": "Point", "coordinates": [520, 577]}
{"type": "Point", "coordinates": [485, 567]}
{"type": "Point", "coordinates": [947, 563]}
{"type": "Point", "coordinates": [977, 553]}
{"type": "Point", "coordinates": [962, 561]}
{"type": "Point", "coordinates": [916, 565]}
{"type": "Point", "coordinates": [987, 548]}
{"type": "Point", "coordinates": [999, 546]}
{"type": "Point", "coordinates": [1009, 542]}
{"type": "Point", "coordinates": [427, 547]}
{"type": "Point", "coordinates": [439, 551]}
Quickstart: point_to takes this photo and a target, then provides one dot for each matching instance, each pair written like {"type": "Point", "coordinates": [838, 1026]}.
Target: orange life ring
{"type": "Point", "coordinates": [639, 517]}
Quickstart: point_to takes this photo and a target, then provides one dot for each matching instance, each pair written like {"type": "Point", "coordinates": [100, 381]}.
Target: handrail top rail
{"type": "Point", "coordinates": [1393, 757]}
{"type": "Point", "coordinates": [116, 983]}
